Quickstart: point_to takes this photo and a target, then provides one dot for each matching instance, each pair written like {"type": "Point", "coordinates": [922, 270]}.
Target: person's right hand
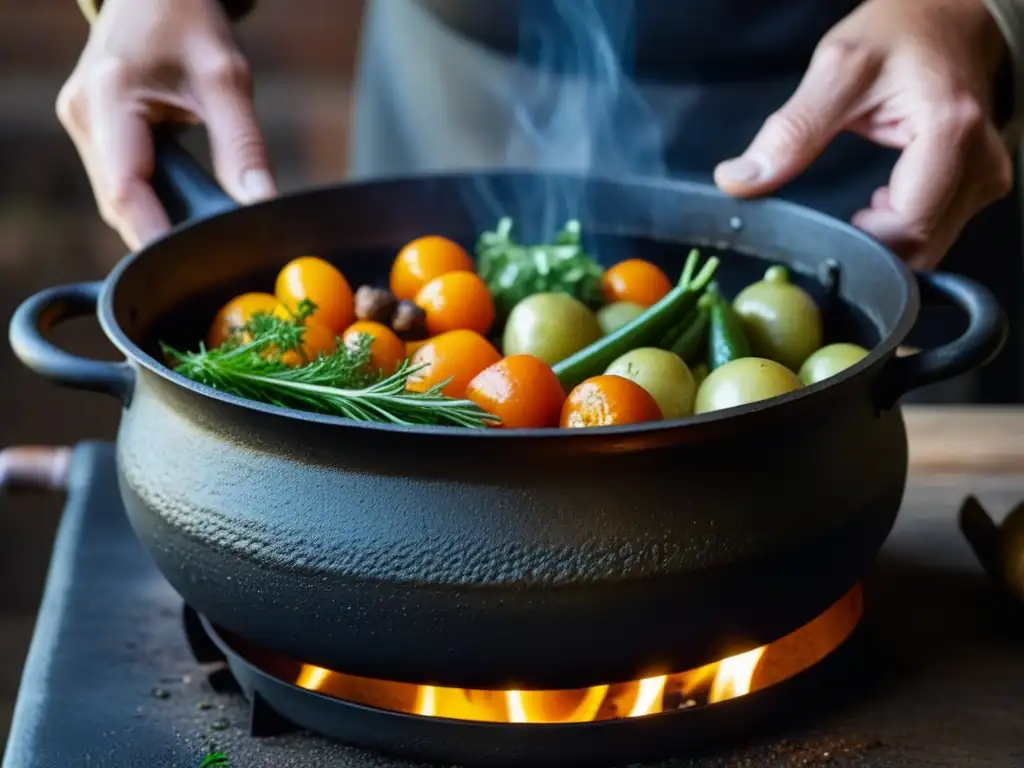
{"type": "Point", "coordinates": [153, 62]}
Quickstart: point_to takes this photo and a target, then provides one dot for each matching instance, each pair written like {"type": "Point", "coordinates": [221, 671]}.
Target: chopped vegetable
{"type": "Point", "coordinates": [744, 381]}
{"type": "Point", "coordinates": [689, 344]}
{"type": "Point", "coordinates": [645, 330]}
{"type": "Point", "coordinates": [456, 301]}
{"type": "Point", "coordinates": [339, 384]}
{"type": "Point", "coordinates": [513, 271]}
{"type": "Point", "coordinates": [521, 390]}
{"type": "Point", "coordinates": [700, 372]}
{"type": "Point", "coordinates": [830, 360]}
{"type": "Point", "coordinates": [387, 351]}
{"type": "Point", "coordinates": [727, 340]}
{"type": "Point", "coordinates": [312, 279]}
{"type": "Point", "coordinates": [450, 361]}
{"type": "Point", "coordinates": [549, 326]}
{"type": "Point", "coordinates": [604, 401]}
{"type": "Point", "coordinates": [423, 259]}
{"type": "Point", "coordinates": [780, 319]}
{"type": "Point", "coordinates": [664, 375]}
{"type": "Point", "coordinates": [611, 317]}
{"type": "Point", "coordinates": [316, 341]}
{"type": "Point", "coordinates": [234, 315]}
{"type": "Point", "coordinates": [637, 281]}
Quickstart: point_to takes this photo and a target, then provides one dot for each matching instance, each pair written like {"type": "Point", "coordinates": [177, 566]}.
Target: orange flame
{"type": "Point", "coordinates": [719, 681]}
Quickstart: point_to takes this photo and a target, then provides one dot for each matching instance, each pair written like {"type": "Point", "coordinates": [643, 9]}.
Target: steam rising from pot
{"type": "Point", "coordinates": [575, 110]}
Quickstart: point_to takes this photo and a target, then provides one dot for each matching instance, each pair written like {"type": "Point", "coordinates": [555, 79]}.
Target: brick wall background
{"type": "Point", "coordinates": [302, 53]}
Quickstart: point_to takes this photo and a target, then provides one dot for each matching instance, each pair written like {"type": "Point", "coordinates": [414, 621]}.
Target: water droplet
{"type": "Point", "coordinates": [736, 223]}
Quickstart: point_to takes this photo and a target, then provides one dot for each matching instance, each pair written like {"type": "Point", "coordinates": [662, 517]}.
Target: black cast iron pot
{"type": "Point", "coordinates": [537, 559]}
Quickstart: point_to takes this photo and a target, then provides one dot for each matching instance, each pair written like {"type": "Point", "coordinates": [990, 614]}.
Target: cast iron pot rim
{"type": "Point", "coordinates": [880, 352]}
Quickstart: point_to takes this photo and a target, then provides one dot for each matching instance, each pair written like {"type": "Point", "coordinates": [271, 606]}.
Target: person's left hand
{"type": "Point", "coordinates": [914, 75]}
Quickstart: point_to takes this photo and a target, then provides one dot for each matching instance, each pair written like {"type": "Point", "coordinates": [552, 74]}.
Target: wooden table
{"type": "Point", "coordinates": [958, 452]}
{"type": "Point", "coordinates": [958, 440]}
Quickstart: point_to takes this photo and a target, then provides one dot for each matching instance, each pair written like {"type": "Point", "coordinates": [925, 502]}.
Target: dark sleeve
{"type": "Point", "coordinates": [235, 9]}
{"type": "Point", "coordinates": [1009, 104]}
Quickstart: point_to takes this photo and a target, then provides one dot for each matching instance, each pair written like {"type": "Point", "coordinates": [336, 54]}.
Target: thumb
{"type": "Point", "coordinates": [236, 143]}
{"type": "Point", "coordinates": [793, 137]}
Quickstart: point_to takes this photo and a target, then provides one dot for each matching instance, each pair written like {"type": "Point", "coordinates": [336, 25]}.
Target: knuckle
{"type": "Point", "coordinates": [119, 196]}
{"type": "Point", "coordinates": [226, 70]}
{"type": "Point", "coordinates": [841, 56]}
{"type": "Point", "coordinates": [114, 73]}
{"type": "Point", "coordinates": [70, 105]}
{"type": "Point", "coordinates": [962, 115]}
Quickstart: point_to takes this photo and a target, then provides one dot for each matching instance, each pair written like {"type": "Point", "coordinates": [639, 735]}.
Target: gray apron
{"type": "Point", "coordinates": [475, 84]}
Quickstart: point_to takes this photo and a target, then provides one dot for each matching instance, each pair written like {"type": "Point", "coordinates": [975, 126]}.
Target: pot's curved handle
{"type": "Point", "coordinates": [986, 333]}
{"type": "Point", "coordinates": [37, 316]}
{"type": "Point", "coordinates": [184, 188]}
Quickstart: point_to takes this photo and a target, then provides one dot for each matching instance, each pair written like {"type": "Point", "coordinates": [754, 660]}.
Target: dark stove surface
{"type": "Point", "coordinates": [110, 680]}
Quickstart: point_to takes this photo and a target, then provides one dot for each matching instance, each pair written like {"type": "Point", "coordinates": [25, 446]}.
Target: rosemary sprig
{"type": "Point", "coordinates": [339, 384]}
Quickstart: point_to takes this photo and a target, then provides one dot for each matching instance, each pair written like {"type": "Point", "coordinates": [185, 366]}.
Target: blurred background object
{"type": "Point", "coordinates": [50, 232]}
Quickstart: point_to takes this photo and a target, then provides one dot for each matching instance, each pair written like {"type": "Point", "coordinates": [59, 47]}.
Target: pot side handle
{"type": "Point", "coordinates": [38, 315]}
{"type": "Point", "coordinates": [185, 189]}
{"type": "Point", "coordinates": [987, 329]}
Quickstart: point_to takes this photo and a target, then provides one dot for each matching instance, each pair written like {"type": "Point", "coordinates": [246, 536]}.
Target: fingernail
{"type": "Point", "coordinates": [743, 170]}
{"type": "Point", "coordinates": [257, 185]}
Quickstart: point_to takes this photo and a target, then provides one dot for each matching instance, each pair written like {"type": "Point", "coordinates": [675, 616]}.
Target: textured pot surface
{"type": "Point", "coordinates": [476, 565]}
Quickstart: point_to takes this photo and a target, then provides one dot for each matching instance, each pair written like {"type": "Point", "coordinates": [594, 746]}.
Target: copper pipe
{"type": "Point", "coordinates": [35, 467]}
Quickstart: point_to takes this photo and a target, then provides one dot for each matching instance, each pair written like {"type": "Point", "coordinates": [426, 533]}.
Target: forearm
{"type": "Point", "coordinates": [1009, 15]}
{"type": "Point", "coordinates": [236, 9]}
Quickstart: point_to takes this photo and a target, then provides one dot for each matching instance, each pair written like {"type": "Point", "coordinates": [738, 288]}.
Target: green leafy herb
{"type": "Point", "coordinates": [339, 384]}
{"type": "Point", "coordinates": [513, 271]}
{"type": "Point", "coordinates": [214, 759]}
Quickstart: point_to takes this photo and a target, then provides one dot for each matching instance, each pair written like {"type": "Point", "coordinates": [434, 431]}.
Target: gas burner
{"type": "Point", "coordinates": [659, 715]}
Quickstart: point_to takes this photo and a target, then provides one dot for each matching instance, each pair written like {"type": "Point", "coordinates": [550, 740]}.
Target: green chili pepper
{"type": "Point", "coordinates": [726, 338]}
{"type": "Point", "coordinates": [644, 331]}
{"type": "Point", "coordinates": [690, 342]}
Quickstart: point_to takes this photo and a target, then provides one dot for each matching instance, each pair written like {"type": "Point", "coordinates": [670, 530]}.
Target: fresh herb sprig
{"type": "Point", "coordinates": [338, 384]}
{"type": "Point", "coordinates": [513, 271]}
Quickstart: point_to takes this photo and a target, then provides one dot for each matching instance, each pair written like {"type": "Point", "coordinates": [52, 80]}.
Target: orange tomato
{"type": "Point", "coordinates": [637, 281]}
{"type": "Point", "coordinates": [412, 346]}
{"type": "Point", "coordinates": [422, 260]}
{"type": "Point", "coordinates": [602, 401]}
{"type": "Point", "coordinates": [387, 351]}
{"type": "Point", "coordinates": [308, 277]}
{"type": "Point", "coordinates": [521, 390]}
{"type": "Point", "coordinates": [236, 313]}
{"type": "Point", "coordinates": [454, 301]}
{"type": "Point", "coordinates": [456, 355]}
{"type": "Point", "coordinates": [316, 341]}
